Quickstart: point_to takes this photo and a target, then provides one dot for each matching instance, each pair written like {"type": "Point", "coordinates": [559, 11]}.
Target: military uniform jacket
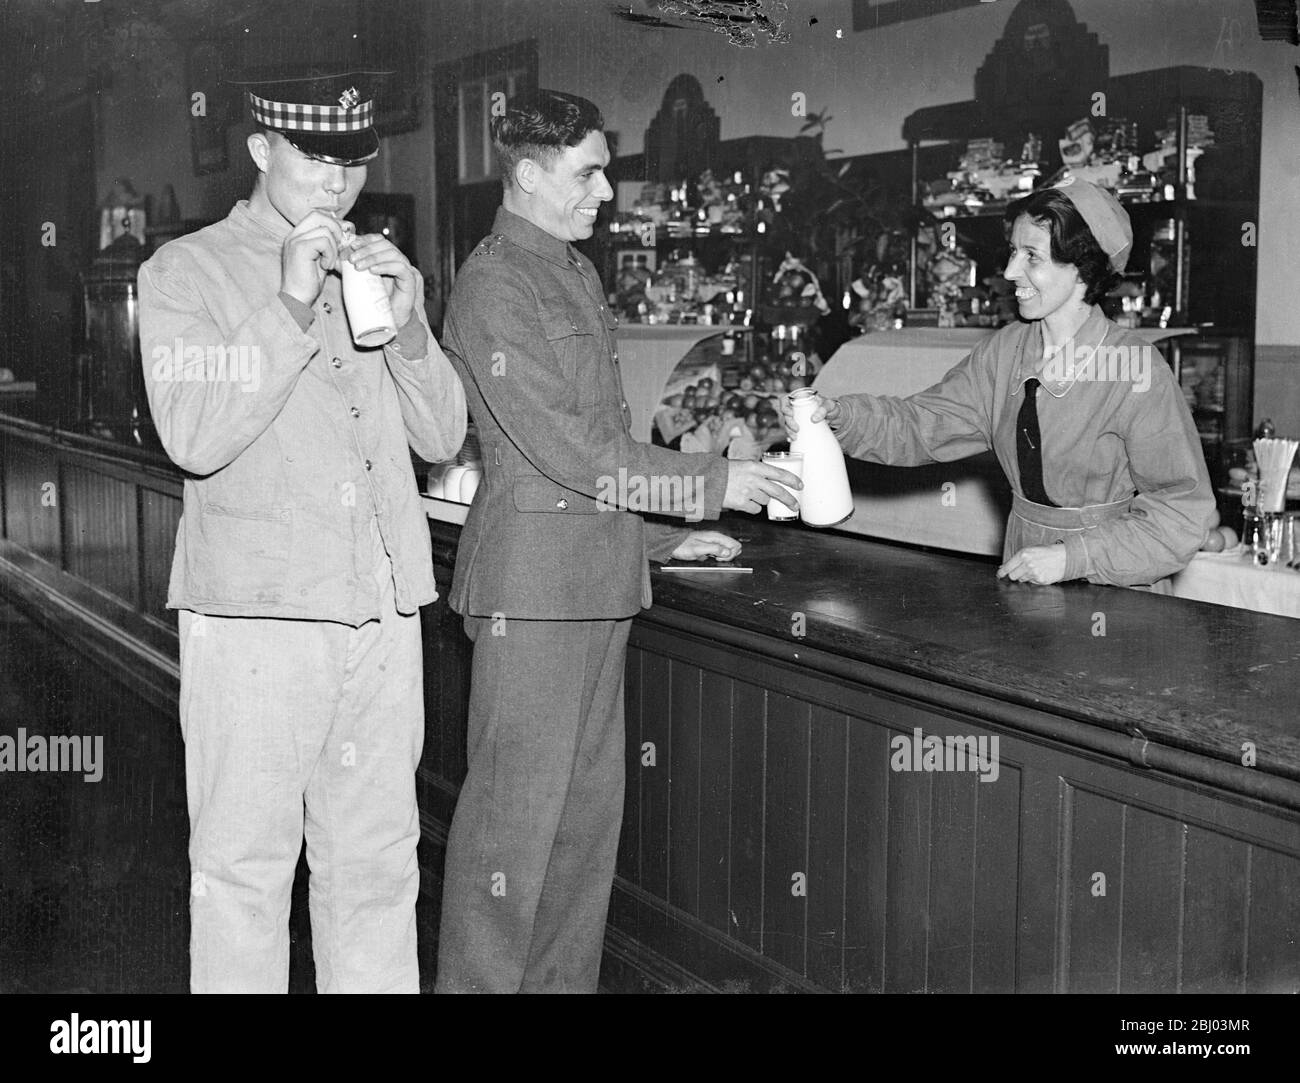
{"type": "Point", "coordinates": [555, 530]}
{"type": "Point", "coordinates": [293, 438]}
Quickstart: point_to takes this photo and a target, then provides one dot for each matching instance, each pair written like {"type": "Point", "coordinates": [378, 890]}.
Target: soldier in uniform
{"type": "Point", "coordinates": [552, 566]}
{"type": "Point", "coordinates": [302, 556]}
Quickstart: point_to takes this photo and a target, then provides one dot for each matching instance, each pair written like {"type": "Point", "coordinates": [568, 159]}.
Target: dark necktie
{"type": "Point", "coordinates": [1029, 448]}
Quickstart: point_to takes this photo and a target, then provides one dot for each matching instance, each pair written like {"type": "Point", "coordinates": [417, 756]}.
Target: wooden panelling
{"type": "Point", "coordinates": [33, 501]}
{"type": "Point", "coordinates": [436, 642]}
{"type": "Point", "coordinates": [715, 799]}
{"type": "Point", "coordinates": [1093, 870]}
{"type": "Point", "coordinates": [952, 887]}
{"type": "Point", "coordinates": [928, 880]}
{"type": "Point", "coordinates": [101, 531]}
{"type": "Point", "coordinates": [827, 815]}
{"type": "Point", "coordinates": [1216, 886]}
{"type": "Point", "coordinates": [683, 770]}
{"type": "Point", "coordinates": [1038, 911]}
{"type": "Point", "coordinates": [997, 855]}
{"type": "Point", "coordinates": [907, 869]}
{"type": "Point", "coordinates": [1151, 910]}
{"type": "Point", "coordinates": [785, 832]}
{"type": "Point", "coordinates": [458, 664]}
{"type": "Point", "coordinates": [747, 814]}
{"type": "Point", "coordinates": [1273, 923]}
{"type": "Point", "coordinates": [865, 864]}
{"type": "Point", "coordinates": [160, 513]}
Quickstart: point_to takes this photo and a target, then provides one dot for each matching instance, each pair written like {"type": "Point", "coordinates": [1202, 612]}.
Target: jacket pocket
{"type": "Point", "coordinates": [534, 493]}
{"type": "Point", "coordinates": [242, 554]}
{"type": "Point", "coordinates": [574, 343]}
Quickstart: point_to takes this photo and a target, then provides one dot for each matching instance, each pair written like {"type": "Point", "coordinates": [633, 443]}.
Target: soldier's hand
{"type": "Point", "coordinates": [310, 250]}
{"type": "Point", "coordinates": [374, 252]}
{"type": "Point", "coordinates": [751, 484]}
{"type": "Point", "coordinates": [826, 408]}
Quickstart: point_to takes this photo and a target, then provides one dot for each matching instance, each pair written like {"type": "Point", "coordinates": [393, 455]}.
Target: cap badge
{"type": "Point", "coordinates": [349, 98]}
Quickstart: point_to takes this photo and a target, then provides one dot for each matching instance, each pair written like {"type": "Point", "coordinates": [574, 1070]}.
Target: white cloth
{"type": "Point", "coordinates": [1233, 578]}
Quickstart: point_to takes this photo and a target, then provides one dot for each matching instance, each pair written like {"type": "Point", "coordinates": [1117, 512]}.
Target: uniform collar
{"type": "Point", "coordinates": [1056, 379]}
{"type": "Point", "coordinates": [533, 238]}
{"type": "Point", "coordinates": [273, 224]}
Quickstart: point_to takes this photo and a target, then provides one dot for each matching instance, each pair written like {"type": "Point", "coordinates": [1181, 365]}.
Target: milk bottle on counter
{"type": "Point", "coordinates": [825, 499]}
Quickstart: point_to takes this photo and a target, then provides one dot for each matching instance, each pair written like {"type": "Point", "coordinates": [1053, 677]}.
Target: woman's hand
{"type": "Point", "coordinates": [826, 408]}
{"type": "Point", "coordinates": [1041, 564]}
{"type": "Point", "coordinates": [699, 544]}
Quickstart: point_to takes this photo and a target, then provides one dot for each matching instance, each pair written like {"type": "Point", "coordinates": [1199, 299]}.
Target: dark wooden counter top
{"type": "Point", "coordinates": [1201, 677]}
{"type": "Point", "coordinates": [1167, 673]}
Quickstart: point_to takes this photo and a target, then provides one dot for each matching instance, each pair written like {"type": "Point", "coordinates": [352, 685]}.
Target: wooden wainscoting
{"type": "Point", "coordinates": [771, 845]}
{"type": "Point", "coordinates": [87, 531]}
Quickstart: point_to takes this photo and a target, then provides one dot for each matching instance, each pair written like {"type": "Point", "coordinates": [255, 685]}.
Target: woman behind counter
{"type": "Point", "coordinates": [1109, 482]}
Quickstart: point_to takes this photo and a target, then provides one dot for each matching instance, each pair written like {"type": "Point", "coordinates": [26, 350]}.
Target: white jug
{"type": "Point", "coordinates": [469, 483]}
{"type": "Point", "coordinates": [451, 481]}
{"type": "Point", "coordinates": [825, 499]}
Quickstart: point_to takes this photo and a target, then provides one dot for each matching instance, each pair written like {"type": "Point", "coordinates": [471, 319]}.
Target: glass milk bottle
{"type": "Point", "coordinates": [365, 297]}
{"type": "Point", "coordinates": [825, 499]}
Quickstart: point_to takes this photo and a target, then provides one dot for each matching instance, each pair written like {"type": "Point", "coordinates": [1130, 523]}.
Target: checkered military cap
{"type": "Point", "coordinates": [330, 117]}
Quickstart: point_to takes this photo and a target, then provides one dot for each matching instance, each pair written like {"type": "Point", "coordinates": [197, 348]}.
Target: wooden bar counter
{"type": "Point", "coordinates": [1136, 827]}
{"type": "Point", "coordinates": [769, 843]}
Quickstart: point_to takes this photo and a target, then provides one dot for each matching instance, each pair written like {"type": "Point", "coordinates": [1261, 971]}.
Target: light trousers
{"type": "Point", "coordinates": [533, 842]}
{"type": "Point", "coordinates": [297, 726]}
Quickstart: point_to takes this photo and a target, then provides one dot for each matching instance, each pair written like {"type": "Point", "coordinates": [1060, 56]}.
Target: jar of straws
{"type": "Point", "coordinates": [1274, 459]}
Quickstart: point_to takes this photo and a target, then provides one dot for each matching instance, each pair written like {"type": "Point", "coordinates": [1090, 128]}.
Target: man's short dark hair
{"type": "Point", "coordinates": [539, 125]}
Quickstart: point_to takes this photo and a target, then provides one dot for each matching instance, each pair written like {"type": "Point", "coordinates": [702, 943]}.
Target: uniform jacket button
{"type": "Point", "coordinates": [355, 412]}
{"type": "Point", "coordinates": [337, 362]}
{"type": "Point", "coordinates": [562, 504]}
{"type": "Point", "coordinates": [368, 464]}
{"type": "Point", "coordinates": [327, 307]}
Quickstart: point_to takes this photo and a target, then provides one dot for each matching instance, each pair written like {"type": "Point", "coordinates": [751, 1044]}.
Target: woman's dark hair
{"type": "Point", "coordinates": [1072, 240]}
{"type": "Point", "coordinates": [539, 125]}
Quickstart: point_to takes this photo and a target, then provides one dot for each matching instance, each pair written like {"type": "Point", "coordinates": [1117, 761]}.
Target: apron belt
{"type": "Point", "coordinates": [1084, 518]}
